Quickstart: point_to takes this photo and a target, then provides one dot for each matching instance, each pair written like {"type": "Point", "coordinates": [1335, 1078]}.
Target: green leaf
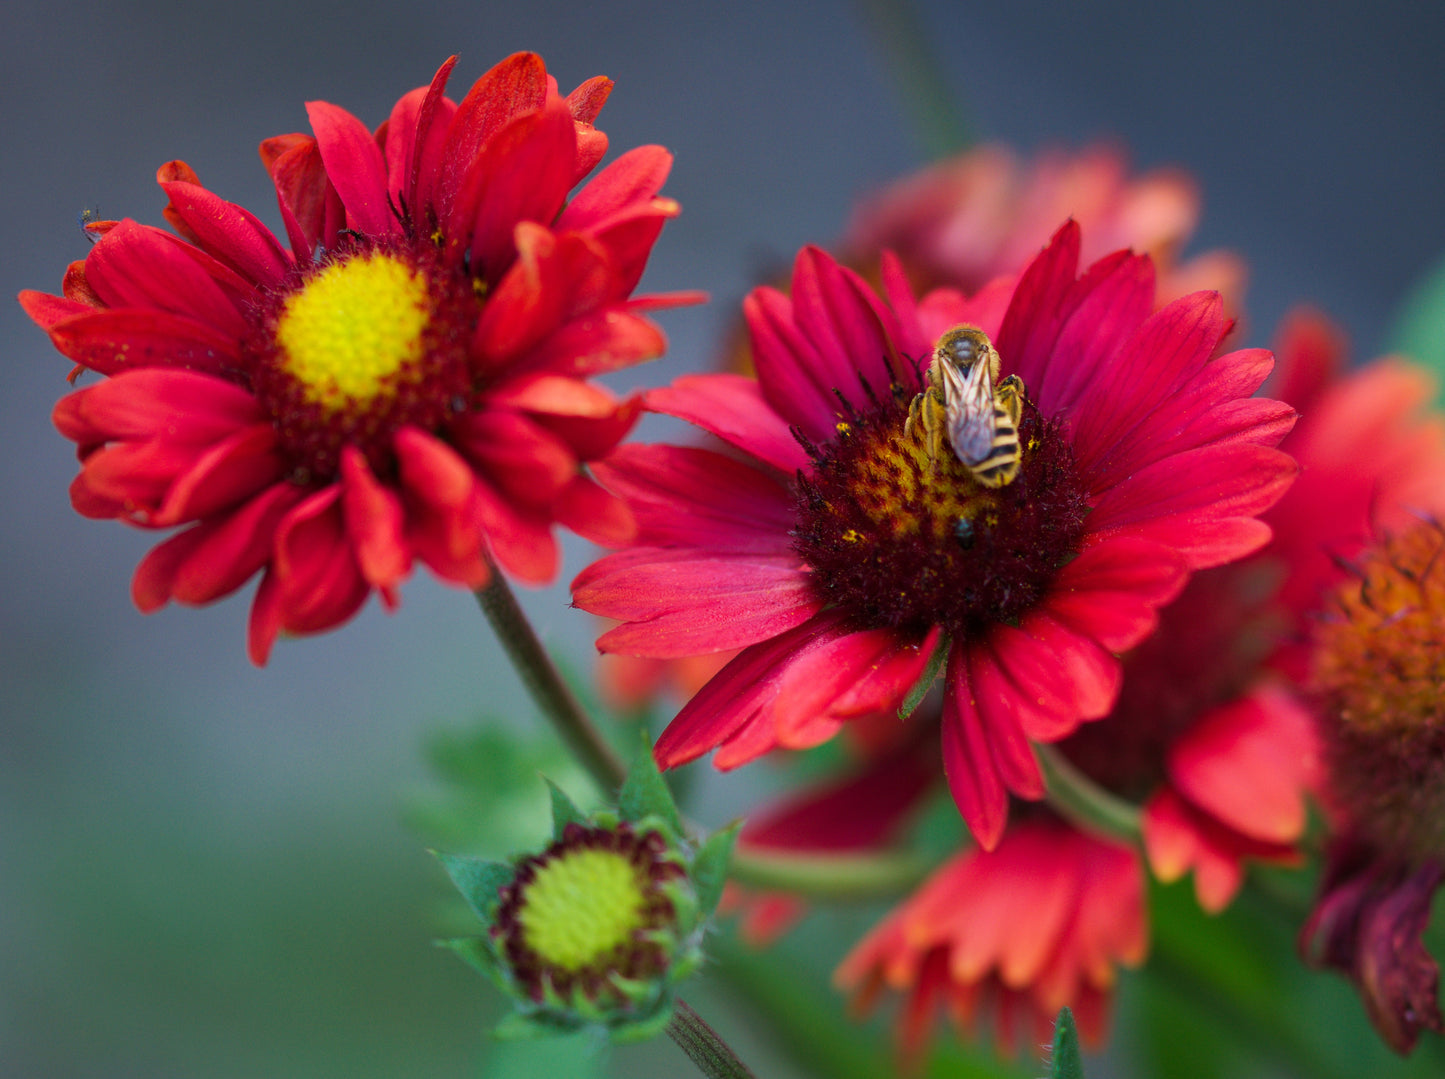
{"type": "Point", "coordinates": [564, 810]}
{"type": "Point", "coordinates": [474, 952]}
{"type": "Point", "coordinates": [645, 794]}
{"type": "Point", "coordinates": [478, 880]}
{"type": "Point", "coordinates": [1067, 1062]}
{"type": "Point", "coordinates": [925, 681]}
{"type": "Point", "coordinates": [644, 1029]}
{"type": "Point", "coordinates": [710, 867]}
{"type": "Point", "coordinates": [1420, 326]}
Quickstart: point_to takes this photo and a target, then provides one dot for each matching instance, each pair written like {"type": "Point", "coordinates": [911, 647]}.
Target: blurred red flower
{"type": "Point", "coordinates": [409, 380]}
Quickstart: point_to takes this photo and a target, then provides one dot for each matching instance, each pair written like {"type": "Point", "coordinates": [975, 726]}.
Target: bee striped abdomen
{"type": "Point", "coordinates": [1000, 465]}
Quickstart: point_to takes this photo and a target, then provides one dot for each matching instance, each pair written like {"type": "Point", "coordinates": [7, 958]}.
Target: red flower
{"type": "Point", "coordinates": [408, 381]}
{"type": "Point", "coordinates": [982, 214]}
{"type": "Point", "coordinates": [1016, 933]}
{"type": "Point", "coordinates": [840, 560]}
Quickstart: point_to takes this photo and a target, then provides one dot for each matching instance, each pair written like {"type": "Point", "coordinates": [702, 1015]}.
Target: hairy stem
{"type": "Point", "coordinates": [704, 1047]}
{"type": "Point", "coordinates": [546, 686]}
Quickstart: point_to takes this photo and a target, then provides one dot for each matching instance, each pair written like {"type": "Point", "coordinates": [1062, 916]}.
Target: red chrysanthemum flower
{"type": "Point", "coordinates": [983, 214]}
{"type": "Point", "coordinates": [1012, 934]}
{"type": "Point", "coordinates": [839, 560]}
{"type": "Point", "coordinates": [409, 381]}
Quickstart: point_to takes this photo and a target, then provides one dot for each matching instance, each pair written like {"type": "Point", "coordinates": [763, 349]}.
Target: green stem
{"type": "Point", "coordinates": [909, 52]}
{"type": "Point", "coordinates": [704, 1047]}
{"type": "Point", "coordinates": [829, 876]}
{"type": "Point", "coordinates": [1084, 802]}
{"type": "Point", "coordinates": [546, 686]}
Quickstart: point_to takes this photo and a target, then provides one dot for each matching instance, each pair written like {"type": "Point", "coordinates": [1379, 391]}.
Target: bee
{"type": "Point", "coordinates": [90, 224]}
{"type": "Point", "coordinates": [966, 403]}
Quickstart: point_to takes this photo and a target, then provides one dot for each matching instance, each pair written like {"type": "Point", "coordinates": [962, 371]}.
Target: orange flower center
{"type": "Point", "coordinates": [1380, 666]}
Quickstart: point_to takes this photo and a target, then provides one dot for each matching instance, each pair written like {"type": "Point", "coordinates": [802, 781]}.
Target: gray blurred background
{"type": "Point", "coordinates": [202, 866]}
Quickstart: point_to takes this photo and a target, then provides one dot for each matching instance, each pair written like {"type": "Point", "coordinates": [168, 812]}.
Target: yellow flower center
{"type": "Point", "coordinates": [353, 328]}
{"type": "Point", "coordinates": [581, 907]}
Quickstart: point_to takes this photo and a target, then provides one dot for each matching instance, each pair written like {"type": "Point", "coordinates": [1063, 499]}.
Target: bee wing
{"type": "Point", "coordinates": [968, 400]}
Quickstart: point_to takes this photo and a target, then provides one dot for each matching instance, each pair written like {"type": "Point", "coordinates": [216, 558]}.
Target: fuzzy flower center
{"type": "Point", "coordinates": [592, 908]}
{"type": "Point", "coordinates": [352, 329]}
{"type": "Point", "coordinates": [350, 350]}
{"type": "Point", "coordinates": [582, 906]}
{"type": "Point", "coordinates": [1379, 668]}
{"type": "Point", "coordinates": [907, 542]}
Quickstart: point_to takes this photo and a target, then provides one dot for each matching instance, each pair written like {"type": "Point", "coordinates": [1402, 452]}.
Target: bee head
{"type": "Point", "coordinates": [963, 346]}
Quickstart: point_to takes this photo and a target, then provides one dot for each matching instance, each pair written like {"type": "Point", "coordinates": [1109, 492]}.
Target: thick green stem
{"type": "Point", "coordinates": [1084, 802]}
{"type": "Point", "coordinates": [545, 684]}
{"type": "Point", "coordinates": [704, 1047]}
{"type": "Point", "coordinates": [830, 876]}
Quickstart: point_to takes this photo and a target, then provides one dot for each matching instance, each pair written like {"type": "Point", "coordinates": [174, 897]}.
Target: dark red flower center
{"type": "Point", "coordinates": [908, 542]}
{"type": "Point", "coordinates": [369, 339]}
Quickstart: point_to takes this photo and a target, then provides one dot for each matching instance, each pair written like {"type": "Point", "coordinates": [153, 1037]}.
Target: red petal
{"type": "Point", "coordinates": [691, 606]}
{"type": "Point", "coordinates": [791, 374]}
{"type": "Point", "coordinates": [355, 167]}
{"type": "Point", "coordinates": [1201, 501]}
{"type": "Point", "coordinates": [598, 342]}
{"type": "Point", "coordinates": [139, 266]}
{"type": "Point", "coordinates": [973, 778]}
{"type": "Point", "coordinates": [321, 585]}
{"type": "Point", "coordinates": [415, 134]}
{"type": "Point", "coordinates": [635, 177]}
{"type": "Point", "coordinates": [557, 394]}
{"type": "Point", "coordinates": [134, 338]}
{"type": "Point", "coordinates": [1026, 340]}
{"type": "Point", "coordinates": [182, 406]}
{"type": "Point", "coordinates": [524, 461]}
{"type": "Point", "coordinates": [1061, 677]}
{"type": "Point", "coordinates": [552, 279]}
{"type": "Point", "coordinates": [229, 232]}
{"type": "Point", "coordinates": [46, 310]}
{"type": "Point", "coordinates": [442, 523]}
{"type": "Point", "coordinates": [303, 189]}
{"type": "Point", "coordinates": [1113, 589]}
{"type": "Point", "coordinates": [1110, 312]}
{"type": "Point", "coordinates": [691, 497]}
{"type": "Point", "coordinates": [1249, 764]}
{"type": "Point", "coordinates": [516, 85]}
{"type": "Point", "coordinates": [594, 514]}
{"type": "Point", "coordinates": [732, 407]}
{"type": "Point", "coordinates": [730, 703]}
{"type": "Point", "coordinates": [523, 173]}
{"type": "Point", "coordinates": [1155, 369]}
{"type": "Point", "coordinates": [230, 472]}
{"type": "Point", "coordinates": [857, 676]}
{"type": "Point", "coordinates": [375, 521]}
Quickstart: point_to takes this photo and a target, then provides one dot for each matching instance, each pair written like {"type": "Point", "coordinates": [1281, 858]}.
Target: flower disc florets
{"type": "Point", "coordinates": [1379, 667]}
{"type": "Point", "coordinates": [591, 913]}
{"type": "Point", "coordinates": [907, 542]}
{"type": "Point", "coordinates": [355, 347]}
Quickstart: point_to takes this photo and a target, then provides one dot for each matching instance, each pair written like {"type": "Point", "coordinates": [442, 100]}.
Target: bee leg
{"type": "Point", "coordinates": [1009, 394]}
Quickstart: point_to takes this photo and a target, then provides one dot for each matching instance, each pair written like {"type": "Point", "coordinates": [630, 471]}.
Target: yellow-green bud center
{"type": "Point", "coordinates": [353, 328]}
{"type": "Point", "coordinates": [581, 907]}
